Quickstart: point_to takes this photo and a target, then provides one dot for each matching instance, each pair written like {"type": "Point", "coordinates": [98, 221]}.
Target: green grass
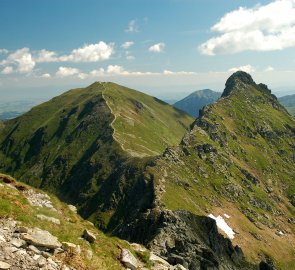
{"type": "Point", "coordinates": [144, 125]}
{"type": "Point", "coordinates": [105, 249]}
{"type": "Point", "coordinates": [242, 114]}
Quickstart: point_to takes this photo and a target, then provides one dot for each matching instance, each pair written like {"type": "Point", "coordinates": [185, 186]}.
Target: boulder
{"type": "Point", "coordinates": [4, 265]}
{"type": "Point", "coordinates": [41, 238]}
{"type": "Point", "coordinates": [72, 208]}
{"type": "Point", "coordinates": [18, 242]}
{"type": "Point", "coordinates": [69, 246]}
{"type": "Point", "coordinates": [179, 267]}
{"type": "Point", "coordinates": [158, 260]}
{"type": "Point", "coordinates": [128, 259]}
{"type": "Point", "coordinates": [50, 219]}
{"type": "Point", "coordinates": [89, 236]}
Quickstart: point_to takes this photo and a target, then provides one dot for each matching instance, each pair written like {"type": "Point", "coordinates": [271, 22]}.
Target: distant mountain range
{"type": "Point", "coordinates": [289, 103]}
{"type": "Point", "coordinates": [193, 103]}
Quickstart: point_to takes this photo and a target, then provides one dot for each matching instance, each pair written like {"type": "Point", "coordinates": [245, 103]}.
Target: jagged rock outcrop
{"type": "Point", "coordinates": [181, 237]}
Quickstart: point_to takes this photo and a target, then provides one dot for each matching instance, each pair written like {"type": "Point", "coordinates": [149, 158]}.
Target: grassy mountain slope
{"type": "Point", "coordinates": [289, 103]}
{"type": "Point", "coordinates": [14, 204]}
{"type": "Point", "coordinates": [193, 103]}
{"type": "Point", "coordinates": [144, 125]}
{"type": "Point", "coordinates": [67, 146]}
{"type": "Point", "coordinates": [238, 160]}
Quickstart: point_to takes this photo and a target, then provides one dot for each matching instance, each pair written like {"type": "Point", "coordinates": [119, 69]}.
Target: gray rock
{"type": "Point", "coordinates": [2, 239]}
{"type": "Point", "coordinates": [18, 242]}
{"type": "Point", "coordinates": [41, 238]}
{"type": "Point", "coordinates": [179, 267]}
{"type": "Point", "coordinates": [72, 208]}
{"type": "Point", "coordinates": [68, 246]}
{"type": "Point", "coordinates": [42, 262]}
{"type": "Point", "coordinates": [4, 265]}
{"type": "Point", "coordinates": [50, 219]}
{"type": "Point", "coordinates": [89, 236]}
{"type": "Point", "coordinates": [128, 259]}
{"type": "Point", "coordinates": [158, 260]}
{"type": "Point", "coordinates": [33, 249]}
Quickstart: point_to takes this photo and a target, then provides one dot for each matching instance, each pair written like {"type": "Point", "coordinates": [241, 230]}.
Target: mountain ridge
{"type": "Point", "coordinates": [236, 161]}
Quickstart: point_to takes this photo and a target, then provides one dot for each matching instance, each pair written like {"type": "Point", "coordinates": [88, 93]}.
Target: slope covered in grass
{"type": "Point", "coordinates": [238, 160]}
{"type": "Point", "coordinates": [85, 144]}
{"type": "Point", "coordinates": [14, 204]}
{"type": "Point", "coordinates": [144, 125]}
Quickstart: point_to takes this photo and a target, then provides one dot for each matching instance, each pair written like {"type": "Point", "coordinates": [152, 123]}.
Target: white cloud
{"type": "Point", "coordinates": [7, 70]}
{"type": "Point", "coordinates": [127, 44]}
{"type": "Point", "coordinates": [22, 58]}
{"type": "Point", "coordinates": [246, 68]}
{"type": "Point", "coordinates": [115, 69]}
{"type": "Point", "coordinates": [132, 27]}
{"type": "Point", "coordinates": [269, 68]}
{"type": "Point", "coordinates": [169, 72]}
{"type": "Point", "coordinates": [46, 56]}
{"type": "Point", "coordinates": [159, 47]}
{"type": "Point", "coordinates": [262, 28]}
{"type": "Point", "coordinates": [46, 76]}
{"type": "Point", "coordinates": [67, 71]}
{"type": "Point", "coordinates": [83, 76]}
{"type": "Point", "coordinates": [3, 51]}
{"type": "Point", "coordinates": [90, 53]}
{"type": "Point", "coordinates": [97, 72]}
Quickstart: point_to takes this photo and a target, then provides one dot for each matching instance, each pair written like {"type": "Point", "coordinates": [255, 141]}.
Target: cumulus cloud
{"type": "Point", "coordinates": [159, 47]}
{"type": "Point", "coordinates": [45, 76]}
{"type": "Point", "coordinates": [44, 56]}
{"type": "Point", "coordinates": [97, 72]}
{"type": "Point", "coordinates": [23, 60]}
{"type": "Point", "coordinates": [7, 70]}
{"type": "Point", "coordinates": [67, 71]}
{"type": "Point", "coordinates": [115, 69]}
{"type": "Point", "coordinates": [262, 28]}
{"type": "Point", "coordinates": [3, 51]}
{"type": "Point", "coordinates": [132, 27]}
{"type": "Point", "coordinates": [90, 53]}
{"type": "Point", "coordinates": [127, 44]}
{"type": "Point", "coordinates": [246, 68]}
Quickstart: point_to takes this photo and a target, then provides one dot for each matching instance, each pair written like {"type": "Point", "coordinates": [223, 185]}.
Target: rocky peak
{"type": "Point", "coordinates": [234, 80]}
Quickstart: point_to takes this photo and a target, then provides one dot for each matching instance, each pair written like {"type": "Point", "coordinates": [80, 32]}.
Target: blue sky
{"type": "Point", "coordinates": [167, 48]}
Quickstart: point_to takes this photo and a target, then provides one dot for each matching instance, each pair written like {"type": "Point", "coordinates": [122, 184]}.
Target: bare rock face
{"type": "Point", "coordinates": [182, 238]}
{"type": "Point", "coordinates": [234, 80]}
{"type": "Point", "coordinates": [128, 260]}
{"type": "Point", "coordinates": [40, 238]}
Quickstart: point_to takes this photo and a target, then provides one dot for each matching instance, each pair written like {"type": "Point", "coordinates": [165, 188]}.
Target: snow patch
{"type": "Point", "coordinates": [222, 225]}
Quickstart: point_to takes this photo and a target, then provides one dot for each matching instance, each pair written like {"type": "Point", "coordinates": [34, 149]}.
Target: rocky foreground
{"type": "Point", "coordinates": [31, 247]}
